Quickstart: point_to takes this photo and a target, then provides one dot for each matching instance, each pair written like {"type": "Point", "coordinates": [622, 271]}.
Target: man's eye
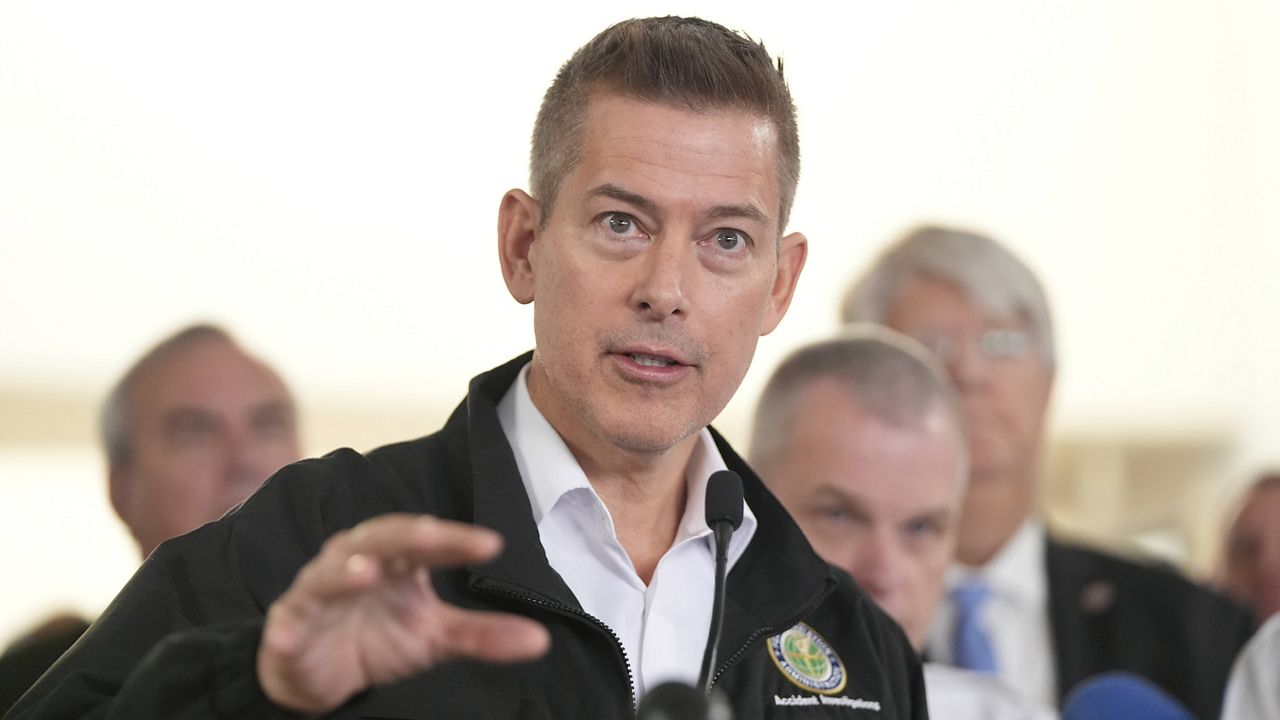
{"type": "Point", "coordinates": [620, 223]}
{"type": "Point", "coordinates": [190, 428]}
{"type": "Point", "coordinates": [921, 527]}
{"type": "Point", "coordinates": [730, 240]}
{"type": "Point", "coordinates": [835, 514]}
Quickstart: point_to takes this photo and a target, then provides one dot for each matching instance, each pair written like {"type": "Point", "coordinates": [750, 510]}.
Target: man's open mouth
{"type": "Point", "coordinates": [651, 360]}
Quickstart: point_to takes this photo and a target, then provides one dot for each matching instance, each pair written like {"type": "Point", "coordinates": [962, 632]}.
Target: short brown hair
{"type": "Point", "coordinates": [685, 62]}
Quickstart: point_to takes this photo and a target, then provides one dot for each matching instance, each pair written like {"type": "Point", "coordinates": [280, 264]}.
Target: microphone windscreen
{"type": "Point", "coordinates": [1121, 695]}
{"type": "Point", "coordinates": [724, 498]}
{"type": "Point", "coordinates": [673, 701]}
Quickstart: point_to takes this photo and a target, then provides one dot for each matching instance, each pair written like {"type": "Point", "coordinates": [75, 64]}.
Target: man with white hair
{"type": "Point", "coordinates": [1050, 614]}
{"type": "Point", "coordinates": [861, 438]}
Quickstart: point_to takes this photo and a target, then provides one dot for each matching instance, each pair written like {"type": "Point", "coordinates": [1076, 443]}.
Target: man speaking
{"type": "Point", "coordinates": [545, 554]}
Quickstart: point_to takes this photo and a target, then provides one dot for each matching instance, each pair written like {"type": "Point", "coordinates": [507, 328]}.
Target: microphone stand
{"type": "Point", "coordinates": [676, 700]}
{"type": "Point", "coordinates": [723, 531]}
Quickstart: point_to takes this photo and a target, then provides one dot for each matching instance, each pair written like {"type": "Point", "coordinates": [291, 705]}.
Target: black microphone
{"type": "Point", "coordinates": [675, 700]}
{"type": "Point", "coordinates": [724, 515]}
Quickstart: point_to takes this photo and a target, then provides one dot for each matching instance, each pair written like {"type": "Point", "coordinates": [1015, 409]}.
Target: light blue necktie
{"type": "Point", "coordinates": [973, 645]}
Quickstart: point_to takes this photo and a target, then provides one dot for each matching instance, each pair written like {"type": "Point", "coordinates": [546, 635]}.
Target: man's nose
{"type": "Point", "coordinates": [969, 367]}
{"type": "Point", "coordinates": [660, 289]}
{"type": "Point", "coordinates": [247, 458]}
{"type": "Point", "coordinates": [880, 560]}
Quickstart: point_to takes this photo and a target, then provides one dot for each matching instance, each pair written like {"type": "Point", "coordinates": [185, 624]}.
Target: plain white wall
{"type": "Point", "coordinates": [323, 178]}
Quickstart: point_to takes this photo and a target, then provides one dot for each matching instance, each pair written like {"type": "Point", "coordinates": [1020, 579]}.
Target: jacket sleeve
{"type": "Point", "coordinates": [180, 640]}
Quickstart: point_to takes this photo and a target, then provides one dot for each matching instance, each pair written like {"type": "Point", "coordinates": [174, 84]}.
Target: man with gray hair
{"type": "Point", "coordinates": [191, 429]}
{"type": "Point", "coordinates": [861, 438]}
{"type": "Point", "coordinates": [1049, 614]}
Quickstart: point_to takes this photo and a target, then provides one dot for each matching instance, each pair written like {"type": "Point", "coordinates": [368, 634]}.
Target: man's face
{"type": "Point", "coordinates": [878, 501]}
{"type": "Point", "coordinates": [1001, 375]}
{"type": "Point", "coordinates": [207, 426]}
{"type": "Point", "coordinates": [658, 269]}
{"type": "Point", "coordinates": [1252, 572]}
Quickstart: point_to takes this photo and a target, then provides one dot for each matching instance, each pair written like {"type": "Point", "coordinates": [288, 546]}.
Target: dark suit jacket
{"type": "Point", "coordinates": [26, 660]}
{"type": "Point", "coordinates": [1109, 613]}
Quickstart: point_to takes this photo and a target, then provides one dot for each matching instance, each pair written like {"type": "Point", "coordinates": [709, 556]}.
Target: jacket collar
{"type": "Point", "coordinates": [775, 581]}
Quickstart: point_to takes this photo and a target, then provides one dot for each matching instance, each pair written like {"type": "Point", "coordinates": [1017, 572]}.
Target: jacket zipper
{"type": "Point", "coordinates": [573, 612]}
{"type": "Point", "coordinates": [764, 632]}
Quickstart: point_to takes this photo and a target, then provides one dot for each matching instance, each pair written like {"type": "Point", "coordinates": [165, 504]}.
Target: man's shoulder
{"type": "Point", "coordinates": [345, 486]}
{"type": "Point", "coordinates": [1134, 580]}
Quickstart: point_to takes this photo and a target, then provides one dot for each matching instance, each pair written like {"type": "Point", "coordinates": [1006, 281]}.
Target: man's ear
{"type": "Point", "coordinates": [518, 219]}
{"type": "Point", "coordinates": [793, 250]}
{"type": "Point", "coordinates": [118, 489]}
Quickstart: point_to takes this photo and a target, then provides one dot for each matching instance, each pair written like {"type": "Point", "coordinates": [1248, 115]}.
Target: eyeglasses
{"type": "Point", "coordinates": [993, 343]}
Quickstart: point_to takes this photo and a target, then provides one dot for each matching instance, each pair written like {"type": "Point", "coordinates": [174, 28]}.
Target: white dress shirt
{"type": "Point", "coordinates": [957, 694]}
{"type": "Point", "coordinates": [1016, 615]}
{"type": "Point", "coordinates": [1254, 690]}
{"type": "Point", "coordinates": [663, 626]}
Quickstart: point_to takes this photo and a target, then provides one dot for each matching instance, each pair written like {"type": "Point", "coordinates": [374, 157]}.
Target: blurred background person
{"type": "Point", "coordinates": [1052, 613]}
{"type": "Point", "coordinates": [1250, 569]}
{"type": "Point", "coordinates": [192, 428]}
{"type": "Point", "coordinates": [861, 438]}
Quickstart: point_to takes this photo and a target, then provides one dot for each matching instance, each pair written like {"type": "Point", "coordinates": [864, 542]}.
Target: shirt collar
{"type": "Point", "coordinates": [550, 472]}
{"type": "Point", "coordinates": [1017, 572]}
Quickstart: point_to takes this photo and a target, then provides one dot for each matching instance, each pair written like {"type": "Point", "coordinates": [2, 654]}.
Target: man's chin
{"type": "Point", "coordinates": [649, 441]}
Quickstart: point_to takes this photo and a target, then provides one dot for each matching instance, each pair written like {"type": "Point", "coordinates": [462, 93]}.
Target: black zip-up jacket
{"type": "Point", "coordinates": [180, 640]}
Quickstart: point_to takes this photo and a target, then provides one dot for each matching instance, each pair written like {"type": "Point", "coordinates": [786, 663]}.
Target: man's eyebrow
{"type": "Point", "coordinates": [719, 212]}
{"type": "Point", "coordinates": [828, 492]}
{"type": "Point", "coordinates": [613, 191]}
{"type": "Point", "coordinates": [177, 416]}
{"type": "Point", "coordinates": [939, 515]}
{"type": "Point", "coordinates": [750, 212]}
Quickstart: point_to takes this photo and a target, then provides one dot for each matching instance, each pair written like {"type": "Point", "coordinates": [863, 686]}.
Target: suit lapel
{"type": "Point", "coordinates": [1081, 615]}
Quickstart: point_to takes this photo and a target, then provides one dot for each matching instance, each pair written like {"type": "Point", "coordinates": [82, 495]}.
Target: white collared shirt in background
{"type": "Point", "coordinates": [957, 694]}
{"type": "Point", "coordinates": [663, 626]}
{"type": "Point", "coordinates": [1254, 690]}
{"type": "Point", "coordinates": [1016, 615]}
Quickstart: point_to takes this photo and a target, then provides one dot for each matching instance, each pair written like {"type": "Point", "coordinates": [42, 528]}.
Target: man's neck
{"type": "Point", "coordinates": [995, 507]}
{"type": "Point", "coordinates": [644, 490]}
{"type": "Point", "coordinates": [646, 500]}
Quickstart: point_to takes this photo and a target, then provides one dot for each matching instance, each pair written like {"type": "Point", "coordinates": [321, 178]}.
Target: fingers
{"type": "Point", "coordinates": [393, 545]}
{"type": "Point", "coordinates": [493, 637]}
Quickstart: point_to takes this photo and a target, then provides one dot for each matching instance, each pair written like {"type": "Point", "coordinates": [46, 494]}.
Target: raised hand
{"type": "Point", "coordinates": [363, 613]}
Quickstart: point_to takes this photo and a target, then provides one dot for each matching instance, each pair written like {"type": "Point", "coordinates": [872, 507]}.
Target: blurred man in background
{"type": "Point", "coordinates": [861, 438]}
{"type": "Point", "coordinates": [1050, 614]}
{"type": "Point", "coordinates": [191, 429]}
{"type": "Point", "coordinates": [1251, 554]}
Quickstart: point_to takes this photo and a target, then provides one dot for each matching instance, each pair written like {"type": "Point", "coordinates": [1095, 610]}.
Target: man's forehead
{"type": "Point", "coordinates": [690, 126]}
{"type": "Point", "coordinates": [203, 374]}
{"type": "Point", "coordinates": [676, 130]}
{"type": "Point", "coordinates": [886, 499]}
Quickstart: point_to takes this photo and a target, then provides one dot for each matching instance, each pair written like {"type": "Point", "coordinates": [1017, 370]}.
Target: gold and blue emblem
{"type": "Point", "coordinates": [807, 660]}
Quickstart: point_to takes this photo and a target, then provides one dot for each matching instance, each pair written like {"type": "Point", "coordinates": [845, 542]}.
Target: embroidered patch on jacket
{"type": "Point", "coordinates": [807, 660]}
